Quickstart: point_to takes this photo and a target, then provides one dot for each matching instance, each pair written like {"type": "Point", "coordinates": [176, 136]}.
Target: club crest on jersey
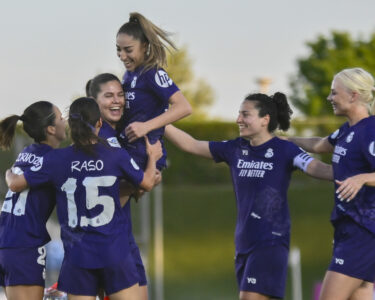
{"type": "Point", "coordinates": [245, 152]}
{"type": "Point", "coordinates": [162, 79]}
{"type": "Point", "coordinates": [371, 148]}
{"type": "Point", "coordinates": [134, 82]}
{"type": "Point", "coordinates": [113, 142]}
{"type": "Point", "coordinates": [349, 138]}
{"type": "Point", "coordinates": [269, 153]}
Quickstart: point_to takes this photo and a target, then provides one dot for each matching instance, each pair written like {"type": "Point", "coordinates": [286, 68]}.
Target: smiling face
{"type": "Point", "coordinates": [250, 124]}
{"type": "Point", "coordinates": [340, 98]}
{"type": "Point", "coordinates": [130, 51]}
{"type": "Point", "coordinates": [111, 102]}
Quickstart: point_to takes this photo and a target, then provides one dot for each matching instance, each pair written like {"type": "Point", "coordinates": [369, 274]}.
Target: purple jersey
{"type": "Point", "coordinates": [88, 206]}
{"type": "Point", "coordinates": [110, 134]}
{"type": "Point", "coordinates": [260, 177]}
{"type": "Point", "coordinates": [24, 215]}
{"type": "Point", "coordinates": [147, 96]}
{"type": "Point", "coordinates": [354, 153]}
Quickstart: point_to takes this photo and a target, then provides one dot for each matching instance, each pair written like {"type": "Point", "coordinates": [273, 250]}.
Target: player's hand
{"type": "Point", "coordinates": [136, 130]}
{"type": "Point", "coordinates": [154, 150]}
{"type": "Point", "coordinates": [349, 188]}
{"type": "Point", "coordinates": [158, 177]}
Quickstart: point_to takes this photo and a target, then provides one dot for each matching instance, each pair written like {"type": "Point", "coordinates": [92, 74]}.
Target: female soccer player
{"type": "Point", "coordinates": [261, 165]}
{"type": "Point", "coordinates": [107, 91]}
{"type": "Point", "coordinates": [141, 46]}
{"type": "Point", "coordinates": [24, 215]}
{"type": "Point", "coordinates": [352, 270]}
{"type": "Point", "coordinates": [93, 225]}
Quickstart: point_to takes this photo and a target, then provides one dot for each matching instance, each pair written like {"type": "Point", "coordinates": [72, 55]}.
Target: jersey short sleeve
{"type": "Point", "coordinates": [221, 151]}
{"type": "Point", "coordinates": [161, 84]}
{"type": "Point", "coordinates": [129, 167]}
{"type": "Point", "coordinates": [42, 175]}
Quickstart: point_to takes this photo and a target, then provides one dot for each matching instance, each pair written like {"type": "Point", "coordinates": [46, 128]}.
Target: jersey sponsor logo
{"type": "Point", "coordinates": [31, 158]}
{"type": "Point", "coordinates": [335, 134]}
{"type": "Point", "coordinates": [134, 164]}
{"type": "Point", "coordinates": [130, 95]}
{"type": "Point", "coordinates": [337, 153]}
{"type": "Point", "coordinates": [349, 138]}
{"type": "Point", "coordinates": [260, 165]}
{"type": "Point", "coordinates": [134, 82]}
{"type": "Point", "coordinates": [90, 165]}
{"type": "Point", "coordinates": [251, 280]}
{"type": "Point", "coordinates": [339, 261]}
{"type": "Point", "coordinates": [269, 153]}
{"type": "Point", "coordinates": [162, 79]}
{"type": "Point", "coordinates": [113, 142]}
{"type": "Point", "coordinates": [253, 168]}
{"type": "Point", "coordinates": [371, 148]}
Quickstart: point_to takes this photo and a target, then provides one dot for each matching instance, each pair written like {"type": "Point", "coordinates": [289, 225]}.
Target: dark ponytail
{"type": "Point", "coordinates": [36, 118]}
{"type": "Point", "coordinates": [84, 113]}
{"type": "Point", "coordinates": [284, 111]}
{"type": "Point", "coordinates": [275, 106]}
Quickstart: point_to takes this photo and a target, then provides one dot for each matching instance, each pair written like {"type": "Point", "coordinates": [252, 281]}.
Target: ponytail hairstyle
{"type": "Point", "coordinates": [93, 86]}
{"type": "Point", "coordinates": [359, 81]}
{"type": "Point", "coordinates": [156, 40]}
{"type": "Point", "coordinates": [83, 115]}
{"type": "Point", "coordinates": [36, 118]}
{"type": "Point", "coordinates": [275, 106]}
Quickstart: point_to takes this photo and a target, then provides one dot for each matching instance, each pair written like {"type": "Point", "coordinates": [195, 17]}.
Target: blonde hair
{"type": "Point", "coordinates": [359, 81]}
{"type": "Point", "coordinates": [156, 39]}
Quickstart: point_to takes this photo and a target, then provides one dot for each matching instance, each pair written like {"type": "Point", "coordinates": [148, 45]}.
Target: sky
{"type": "Point", "coordinates": [49, 48]}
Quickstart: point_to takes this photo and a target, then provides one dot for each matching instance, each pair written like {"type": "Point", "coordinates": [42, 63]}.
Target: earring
{"type": "Point", "coordinates": [148, 49]}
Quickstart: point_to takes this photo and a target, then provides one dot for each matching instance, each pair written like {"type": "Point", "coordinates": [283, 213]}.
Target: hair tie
{"type": "Point", "coordinates": [78, 116]}
{"type": "Point", "coordinates": [134, 20]}
{"type": "Point", "coordinates": [21, 118]}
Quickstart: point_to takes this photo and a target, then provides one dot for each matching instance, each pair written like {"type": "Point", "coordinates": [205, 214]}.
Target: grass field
{"type": "Point", "coordinates": [199, 224]}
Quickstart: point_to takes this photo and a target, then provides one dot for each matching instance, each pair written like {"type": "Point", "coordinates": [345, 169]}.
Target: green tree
{"type": "Point", "coordinates": [327, 56]}
{"type": "Point", "coordinates": [196, 90]}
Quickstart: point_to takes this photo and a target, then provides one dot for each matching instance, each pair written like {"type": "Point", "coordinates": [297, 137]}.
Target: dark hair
{"type": "Point", "coordinates": [155, 38]}
{"type": "Point", "coordinates": [83, 115]}
{"type": "Point", "coordinates": [276, 107]}
{"type": "Point", "coordinates": [93, 85]}
{"type": "Point", "coordinates": [36, 118]}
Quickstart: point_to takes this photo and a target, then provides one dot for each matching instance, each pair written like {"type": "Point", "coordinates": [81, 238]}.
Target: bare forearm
{"type": "Point", "coordinates": [312, 144]}
{"type": "Point", "coordinates": [320, 170]}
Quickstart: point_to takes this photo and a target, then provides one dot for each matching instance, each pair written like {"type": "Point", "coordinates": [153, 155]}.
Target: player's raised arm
{"type": "Point", "coordinates": [186, 142]}
{"type": "Point", "coordinates": [312, 144]}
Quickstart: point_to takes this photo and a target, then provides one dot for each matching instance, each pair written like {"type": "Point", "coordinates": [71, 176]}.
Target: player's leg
{"type": "Point", "coordinates": [253, 296]}
{"type": "Point", "coordinates": [24, 292]}
{"type": "Point", "coordinates": [131, 293]}
{"type": "Point", "coordinates": [364, 292]}
{"type": "Point", "coordinates": [337, 286]}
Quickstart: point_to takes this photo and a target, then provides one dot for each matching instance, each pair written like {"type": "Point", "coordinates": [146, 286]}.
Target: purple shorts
{"type": "Point", "coordinates": [87, 282]}
{"type": "Point", "coordinates": [263, 270]}
{"type": "Point", "coordinates": [139, 264]}
{"type": "Point", "coordinates": [22, 266]}
{"type": "Point", "coordinates": [353, 251]}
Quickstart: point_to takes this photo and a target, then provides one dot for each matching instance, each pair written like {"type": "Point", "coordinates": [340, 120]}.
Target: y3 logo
{"type": "Point", "coordinates": [251, 280]}
{"type": "Point", "coordinates": [339, 261]}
